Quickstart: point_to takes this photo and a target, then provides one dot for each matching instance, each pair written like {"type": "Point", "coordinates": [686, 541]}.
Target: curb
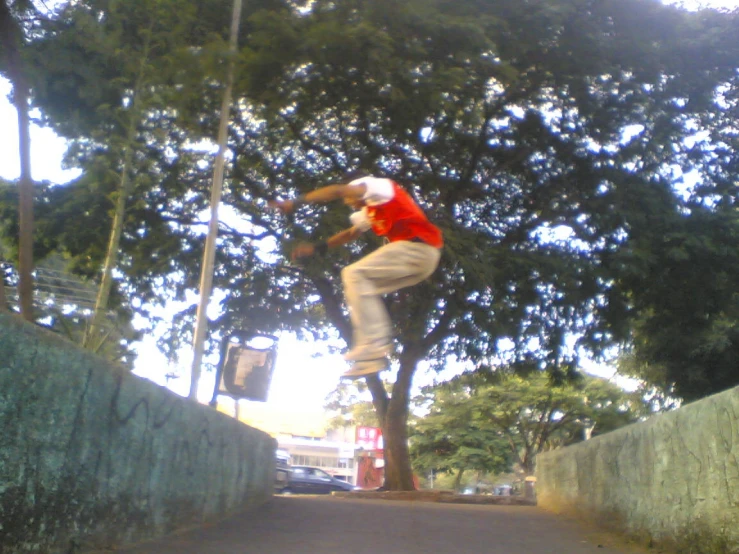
{"type": "Point", "coordinates": [441, 497]}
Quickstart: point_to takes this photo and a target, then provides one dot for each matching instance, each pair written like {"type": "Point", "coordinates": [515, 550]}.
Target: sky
{"type": "Point", "coordinates": [304, 373]}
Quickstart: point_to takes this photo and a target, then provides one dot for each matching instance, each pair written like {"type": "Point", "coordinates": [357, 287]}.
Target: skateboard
{"type": "Point", "coordinates": [365, 367]}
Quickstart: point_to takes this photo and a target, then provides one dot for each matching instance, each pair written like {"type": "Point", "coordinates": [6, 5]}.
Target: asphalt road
{"type": "Point", "coordinates": [326, 525]}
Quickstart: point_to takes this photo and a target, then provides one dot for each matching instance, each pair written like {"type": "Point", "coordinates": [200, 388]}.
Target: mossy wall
{"type": "Point", "coordinates": [92, 457]}
{"type": "Point", "coordinates": [670, 478]}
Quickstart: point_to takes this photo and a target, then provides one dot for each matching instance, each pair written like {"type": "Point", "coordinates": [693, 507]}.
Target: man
{"type": "Point", "coordinates": [411, 254]}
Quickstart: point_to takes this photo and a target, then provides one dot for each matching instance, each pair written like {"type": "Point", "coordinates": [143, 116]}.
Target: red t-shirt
{"type": "Point", "coordinates": [401, 219]}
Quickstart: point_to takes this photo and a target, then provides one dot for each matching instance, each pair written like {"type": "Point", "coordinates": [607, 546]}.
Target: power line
{"type": "Point", "coordinates": [58, 286]}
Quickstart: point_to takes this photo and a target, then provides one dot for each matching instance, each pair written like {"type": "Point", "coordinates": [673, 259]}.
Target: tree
{"type": "Point", "coordinates": [12, 45]}
{"type": "Point", "coordinates": [654, 385]}
{"type": "Point", "coordinates": [63, 304]}
{"type": "Point", "coordinates": [535, 416]}
{"type": "Point", "coordinates": [350, 405]}
{"type": "Point", "coordinates": [62, 297]}
{"type": "Point", "coordinates": [679, 269]}
{"type": "Point", "coordinates": [449, 439]}
{"type": "Point", "coordinates": [507, 121]}
{"type": "Point", "coordinates": [683, 277]}
{"type": "Point", "coordinates": [512, 123]}
{"type": "Point", "coordinates": [524, 415]}
{"type": "Point", "coordinates": [112, 77]}
{"type": "Point", "coordinates": [152, 35]}
{"type": "Point", "coordinates": [5, 266]}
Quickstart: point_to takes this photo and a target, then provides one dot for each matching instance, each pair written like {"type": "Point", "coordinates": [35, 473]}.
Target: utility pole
{"type": "Point", "coordinates": [206, 276]}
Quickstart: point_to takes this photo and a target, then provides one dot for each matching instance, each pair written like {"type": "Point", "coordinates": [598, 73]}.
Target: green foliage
{"type": "Point", "coordinates": [68, 218]}
{"type": "Point", "coordinates": [16, 25]}
{"type": "Point", "coordinates": [449, 439]}
{"type": "Point", "coordinates": [487, 424]}
{"type": "Point", "coordinates": [684, 277]}
{"type": "Point", "coordinates": [505, 120]}
{"type": "Point", "coordinates": [654, 387]}
{"type": "Point", "coordinates": [543, 137]}
{"type": "Point", "coordinates": [64, 302]}
{"type": "Point", "coordinates": [63, 296]}
{"type": "Point", "coordinates": [349, 404]}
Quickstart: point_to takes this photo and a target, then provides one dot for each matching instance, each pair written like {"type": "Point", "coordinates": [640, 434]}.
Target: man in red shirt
{"type": "Point", "coordinates": [411, 255]}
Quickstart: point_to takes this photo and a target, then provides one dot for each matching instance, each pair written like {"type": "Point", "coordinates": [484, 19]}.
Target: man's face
{"type": "Point", "coordinates": [354, 200]}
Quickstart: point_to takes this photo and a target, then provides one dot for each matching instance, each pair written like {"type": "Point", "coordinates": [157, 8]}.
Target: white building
{"type": "Point", "coordinates": [333, 457]}
{"type": "Point", "coordinates": [304, 436]}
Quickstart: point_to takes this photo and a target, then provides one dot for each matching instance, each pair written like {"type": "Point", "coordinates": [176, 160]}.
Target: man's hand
{"type": "Point", "coordinates": [303, 250]}
{"type": "Point", "coordinates": [285, 206]}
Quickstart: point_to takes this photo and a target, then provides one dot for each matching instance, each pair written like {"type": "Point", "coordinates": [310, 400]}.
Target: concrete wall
{"type": "Point", "coordinates": [672, 477]}
{"type": "Point", "coordinates": [91, 456]}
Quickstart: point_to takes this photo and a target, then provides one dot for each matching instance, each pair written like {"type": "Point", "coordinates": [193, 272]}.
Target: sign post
{"type": "Point", "coordinates": [370, 466]}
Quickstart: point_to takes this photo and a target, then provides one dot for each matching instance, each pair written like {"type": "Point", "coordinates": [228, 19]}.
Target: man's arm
{"type": "Point", "coordinates": [321, 195]}
{"type": "Point", "coordinates": [306, 250]}
{"type": "Point", "coordinates": [343, 237]}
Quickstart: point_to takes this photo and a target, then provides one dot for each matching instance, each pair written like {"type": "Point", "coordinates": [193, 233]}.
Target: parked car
{"type": "Point", "coordinates": [311, 480]}
{"type": "Point", "coordinates": [282, 470]}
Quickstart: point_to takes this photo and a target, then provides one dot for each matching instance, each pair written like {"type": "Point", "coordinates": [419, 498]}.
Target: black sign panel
{"type": "Point", "coordinates": [246, 366]}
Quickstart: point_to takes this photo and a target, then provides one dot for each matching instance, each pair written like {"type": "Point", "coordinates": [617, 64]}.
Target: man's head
{"type": "Point", "coordinates": [355, 201]}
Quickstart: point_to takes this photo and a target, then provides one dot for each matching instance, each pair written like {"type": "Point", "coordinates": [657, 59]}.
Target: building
{"type": "Point", "coordinates": [335, 458]}
{"type": "Point", "coordinates": [304, 436]}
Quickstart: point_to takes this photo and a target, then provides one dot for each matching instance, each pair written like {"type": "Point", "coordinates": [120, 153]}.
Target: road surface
{"type": "Point", "coordinates": [327, 525]}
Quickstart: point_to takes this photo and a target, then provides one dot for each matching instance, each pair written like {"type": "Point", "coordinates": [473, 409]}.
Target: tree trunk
{"type": "Point", "coordinates": [11, 40]}
{"type": "Point", "coordinates": [393, 416]}
{"type": "Point", "coordinates": [587, 432]}
{"type": "Point", "coordinates": [95, 336]}
{"type": "Point", "coordinates": [458, 480]}
{"type": "Point", "coordinates": [529, 463]}
{"type": "Point", "coordinates": [3, 298]}
{"type": "Point", "coordinates": [398, 472]}
{"type": "Point", "coordinates": [25, 186]}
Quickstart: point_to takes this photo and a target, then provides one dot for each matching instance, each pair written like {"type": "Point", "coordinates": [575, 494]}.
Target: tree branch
{"type": "Point", "coordinates": [312, 146]}
{"type": "Point", "coordinates": [332, 304]}
{"type": "Point", "coordinates": [225, 229]}
{"type": "Point", "coordinates": [440, 330]}
{"type": "Point", "coordinates": [514, 449]}
{"type": "Point", "coordinates": [380, 398]}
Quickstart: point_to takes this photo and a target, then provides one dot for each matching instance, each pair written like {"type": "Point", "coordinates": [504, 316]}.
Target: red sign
{"type": "Point", "coordinates": [369, 438]}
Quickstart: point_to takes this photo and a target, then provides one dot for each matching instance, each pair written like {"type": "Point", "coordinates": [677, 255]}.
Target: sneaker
{"type": "Point", "coordinates": [369, 351]}
{"type": "Point", "coordinates": [364, 368]}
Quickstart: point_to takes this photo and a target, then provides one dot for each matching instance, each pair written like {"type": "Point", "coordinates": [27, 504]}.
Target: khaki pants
{"type": "Point", "coordinates": [391, 267]}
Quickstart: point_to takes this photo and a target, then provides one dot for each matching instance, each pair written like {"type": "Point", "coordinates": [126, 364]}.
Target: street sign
{"type": "Point", "coordinates": [246, 366]}
{"type": "Point", "coordinates": [369, 438]}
